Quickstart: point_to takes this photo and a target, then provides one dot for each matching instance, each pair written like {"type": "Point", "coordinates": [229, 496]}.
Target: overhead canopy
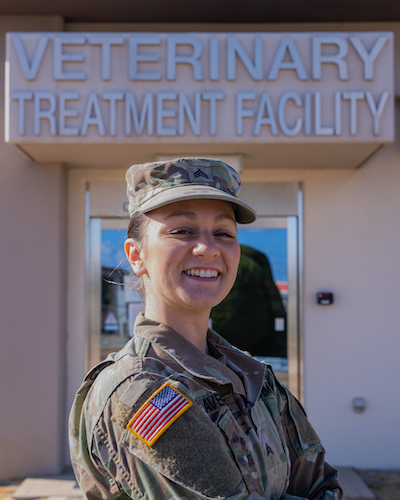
{"type": "Point", "coordinates": [280, 99]}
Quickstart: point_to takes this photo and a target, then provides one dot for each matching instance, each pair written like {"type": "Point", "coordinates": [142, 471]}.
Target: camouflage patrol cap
{"type": "Point", "coordinates": [153, 185]}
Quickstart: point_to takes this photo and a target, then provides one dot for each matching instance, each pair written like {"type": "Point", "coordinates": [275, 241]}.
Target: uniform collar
{"type": "Point", "coordinates": [198, 364]}
{"type": "Point", "coordinates": [251, 371]}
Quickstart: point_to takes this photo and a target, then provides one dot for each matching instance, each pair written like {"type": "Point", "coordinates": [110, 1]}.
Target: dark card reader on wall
{"type": "Point", "coordinates": [325, 298]}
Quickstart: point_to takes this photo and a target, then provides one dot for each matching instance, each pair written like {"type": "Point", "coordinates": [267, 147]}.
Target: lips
{"type": "Point", "coordinates": [202, 273]}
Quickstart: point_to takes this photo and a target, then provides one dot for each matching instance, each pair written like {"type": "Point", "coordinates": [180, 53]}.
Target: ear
{"type": "Point", "coordinates": [134, 255]}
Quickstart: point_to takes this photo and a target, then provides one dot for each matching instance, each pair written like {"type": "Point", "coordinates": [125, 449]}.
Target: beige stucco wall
{"type": "Point", "coordinates": [32, 305]}
{"type": "Point", "coordinates": [351, 246]}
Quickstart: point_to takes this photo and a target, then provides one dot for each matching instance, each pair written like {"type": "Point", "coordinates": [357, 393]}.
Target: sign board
{"type": "Point", "coordinates": [241, 89]}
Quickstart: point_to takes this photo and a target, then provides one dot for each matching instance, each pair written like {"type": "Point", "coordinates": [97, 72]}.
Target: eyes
{"type": "Point", "coordinates": [225, 234]}
{"type": "Point", "coordinates": [188, 232]}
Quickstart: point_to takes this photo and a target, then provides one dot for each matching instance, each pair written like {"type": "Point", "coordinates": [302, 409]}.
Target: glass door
{"type": "Point", "coordinates": [260, 315]}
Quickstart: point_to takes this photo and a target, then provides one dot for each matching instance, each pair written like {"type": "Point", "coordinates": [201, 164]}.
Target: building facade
{"type": "Point", "coordinates": [305, 112]}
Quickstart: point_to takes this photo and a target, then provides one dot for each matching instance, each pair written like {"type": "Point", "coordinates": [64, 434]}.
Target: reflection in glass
{"type": "Point", "coordinates": [120, 301]}
{"type": "Point", "coordinates": [253, 316]}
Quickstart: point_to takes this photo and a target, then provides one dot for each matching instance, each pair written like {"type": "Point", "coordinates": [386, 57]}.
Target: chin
{"type": "Point", "coordinates": [203, 302]}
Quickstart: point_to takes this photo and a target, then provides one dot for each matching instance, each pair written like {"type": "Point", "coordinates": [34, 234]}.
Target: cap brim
{"type": "Point", "coordinates": [244, 213]}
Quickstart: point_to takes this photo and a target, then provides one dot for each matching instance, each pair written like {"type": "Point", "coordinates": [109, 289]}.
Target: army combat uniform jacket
{"type": "Point", "coordinates": [160, 420]}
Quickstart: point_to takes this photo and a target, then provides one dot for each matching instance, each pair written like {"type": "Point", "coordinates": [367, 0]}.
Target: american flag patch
{"type": "Point", "coordinates": [158, 413]}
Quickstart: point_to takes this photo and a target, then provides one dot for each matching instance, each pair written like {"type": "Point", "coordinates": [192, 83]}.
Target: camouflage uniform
{"type": "Point", "coordinates": [243, 435]}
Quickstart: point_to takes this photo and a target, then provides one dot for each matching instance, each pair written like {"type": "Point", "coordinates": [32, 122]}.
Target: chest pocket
{"type": "Point", "coordinates": [243, 452]}
{"type": "Point", "coordinates": [273, 463]}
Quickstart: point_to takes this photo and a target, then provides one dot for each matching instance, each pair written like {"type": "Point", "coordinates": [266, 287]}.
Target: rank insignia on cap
{"type": "Point", "coordinates": [203, 173]}
{"type": "Point", "coordinates": [155, 416]}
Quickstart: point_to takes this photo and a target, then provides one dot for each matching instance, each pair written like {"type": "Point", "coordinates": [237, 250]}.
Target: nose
{"type": "Point", "coordinates": [206, 246]}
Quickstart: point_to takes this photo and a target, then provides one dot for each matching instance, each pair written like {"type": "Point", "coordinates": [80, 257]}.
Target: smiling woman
{"type": "Point", "coordinates": [188, 260]}
{"type": "Point", "coordinates": [179, 412]}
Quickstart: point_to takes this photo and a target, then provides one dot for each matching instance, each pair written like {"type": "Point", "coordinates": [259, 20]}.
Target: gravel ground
{"type": "Point", "coordinates": [385, 484]}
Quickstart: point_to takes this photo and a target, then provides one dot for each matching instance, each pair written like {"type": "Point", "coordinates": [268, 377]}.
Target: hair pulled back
{"type": "Point", "coordinates": [136, 231]}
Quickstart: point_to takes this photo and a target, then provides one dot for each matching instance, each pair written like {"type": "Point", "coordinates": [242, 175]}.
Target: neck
{"type": "Point", "coordinates": [192, 326]}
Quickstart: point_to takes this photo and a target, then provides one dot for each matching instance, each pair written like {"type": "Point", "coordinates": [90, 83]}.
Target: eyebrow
{"type": "Point", "coordinates": [193, 216]}
{"type": "Point", "coordinates": [179, 213]}
{"type": "Point", "coordinates": [224, 217]}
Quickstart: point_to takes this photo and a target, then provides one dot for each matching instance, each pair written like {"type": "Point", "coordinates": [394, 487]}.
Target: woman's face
{"type": "Point", "coordinates": [190, 255]}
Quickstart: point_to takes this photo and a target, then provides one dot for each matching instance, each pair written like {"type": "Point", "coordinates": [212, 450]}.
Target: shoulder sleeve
{"type": "Point", "coordinates": [189, 459]}
{"type": "Point", "coordinates": [311, 477]}
{"type": "Point", "coordinates": [91, 478]}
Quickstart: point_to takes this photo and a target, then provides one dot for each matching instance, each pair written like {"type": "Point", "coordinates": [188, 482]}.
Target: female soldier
{"type": "Point", "coordinates": [179, 413]}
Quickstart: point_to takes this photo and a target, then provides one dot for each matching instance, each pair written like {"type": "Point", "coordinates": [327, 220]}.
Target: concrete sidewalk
{"type": "Point", "coordinates": [353, 486]}
{"type": "Point", "coordinates": [55, 487]}
{"type": "Point", "coordinates": [60, 487]}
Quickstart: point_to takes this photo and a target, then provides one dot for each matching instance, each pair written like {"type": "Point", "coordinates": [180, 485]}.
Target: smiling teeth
{"type": "Point", "coordinates": [210, 273]}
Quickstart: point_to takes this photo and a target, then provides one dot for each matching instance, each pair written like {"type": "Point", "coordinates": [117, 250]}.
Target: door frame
{"type": "Point", "coordinates": [78, 302]}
